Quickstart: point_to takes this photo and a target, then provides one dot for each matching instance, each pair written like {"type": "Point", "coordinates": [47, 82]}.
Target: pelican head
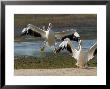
{"type": "Point", "coordinates": [49, 26]}
{"type": "Point", "coordinates": [76, 36]}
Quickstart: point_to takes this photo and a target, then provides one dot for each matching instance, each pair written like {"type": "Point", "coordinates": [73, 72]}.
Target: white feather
{"type": "Point", "coordinates": [82, 57]}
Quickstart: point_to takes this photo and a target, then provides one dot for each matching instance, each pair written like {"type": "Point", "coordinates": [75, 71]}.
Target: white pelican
{"type": "Point", "coordinates": [38, 32]}
{"type": "Point", "coordinates": [49, 35]}
{"type": "Point", "coordinates": [81, 57]}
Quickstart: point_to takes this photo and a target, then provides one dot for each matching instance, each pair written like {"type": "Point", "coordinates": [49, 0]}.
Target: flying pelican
{"type": "Point", "coordinates": [38, 32]}
{"type": "Point", "coordinates": [49, 35]}
{"type": "Point", "coordinates": [81, 57]}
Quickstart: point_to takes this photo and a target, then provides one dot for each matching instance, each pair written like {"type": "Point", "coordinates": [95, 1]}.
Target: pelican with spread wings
{"type": "Point", "coordinates": [81, 57]}
{"type": "Point", "coordinates": [48, 34]}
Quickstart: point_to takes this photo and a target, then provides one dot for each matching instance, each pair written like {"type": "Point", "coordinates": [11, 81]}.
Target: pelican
{"type": "Point", "coordinates": [81, 57]}
{"type": "Point", "coordinates": [49, 35]}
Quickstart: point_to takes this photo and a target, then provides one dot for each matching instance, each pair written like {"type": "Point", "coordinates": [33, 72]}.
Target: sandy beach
{"type": "Point", "coordinates": [91, 71]}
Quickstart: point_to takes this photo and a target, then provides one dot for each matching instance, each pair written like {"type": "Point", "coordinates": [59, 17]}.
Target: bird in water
{"type": "Point", "coordinates": [48, 34]}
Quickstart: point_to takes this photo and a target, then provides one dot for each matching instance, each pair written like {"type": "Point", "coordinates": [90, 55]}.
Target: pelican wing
{"type": "Point", "coordinates": [76, 53]}
{"type": "Point", "coordinates": [92, 51]}
{"type": "Point", "coordinates": [38, 30]}
{"type": "Point", "coordinates": [65, 34]}
{"type": "Point", "coordinates": [59, 35]}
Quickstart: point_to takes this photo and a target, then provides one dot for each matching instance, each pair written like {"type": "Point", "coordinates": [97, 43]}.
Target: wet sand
{"type": "Point", "coordinates": [91, 71]}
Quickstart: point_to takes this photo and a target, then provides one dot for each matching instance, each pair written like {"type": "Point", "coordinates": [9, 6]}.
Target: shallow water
{"type": "Point", "coordinates": [33, 48]}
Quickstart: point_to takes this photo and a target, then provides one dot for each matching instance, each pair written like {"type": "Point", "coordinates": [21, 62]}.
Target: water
{"type": "Point", "coordinates": [33, 48]}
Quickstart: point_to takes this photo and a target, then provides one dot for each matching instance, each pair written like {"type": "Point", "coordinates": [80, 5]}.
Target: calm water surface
{"type": "Point", "coordinates": [33, 48]}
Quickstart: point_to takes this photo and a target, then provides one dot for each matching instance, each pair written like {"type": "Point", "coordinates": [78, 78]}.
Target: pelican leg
{"type": "Point", "coordinates": [86, 66]}
{"type": "Point", "coordinates": [77, 65]}
{"type": "Point", "coordinates": [55, 49]}
{"type": "Point", "coordinates": [43, 48]}
{"type": "Point", "coordinates": [44, 43]}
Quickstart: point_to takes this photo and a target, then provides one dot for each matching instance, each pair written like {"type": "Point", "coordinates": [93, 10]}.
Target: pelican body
{"type": "Point", "coordinates": [50, 37]}
{"type": "Point", "coordinates": [82, 58]}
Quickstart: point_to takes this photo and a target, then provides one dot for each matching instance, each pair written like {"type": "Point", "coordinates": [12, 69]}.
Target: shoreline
{"type": "Point", "coordinates": [90, 71]}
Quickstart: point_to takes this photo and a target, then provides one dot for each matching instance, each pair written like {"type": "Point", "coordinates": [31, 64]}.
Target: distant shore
{"type": "Point", "coordinates": [58, 20]}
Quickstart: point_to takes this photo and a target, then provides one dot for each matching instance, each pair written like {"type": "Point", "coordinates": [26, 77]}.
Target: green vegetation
{"type": "Point", "coordinates": [48, 62]}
